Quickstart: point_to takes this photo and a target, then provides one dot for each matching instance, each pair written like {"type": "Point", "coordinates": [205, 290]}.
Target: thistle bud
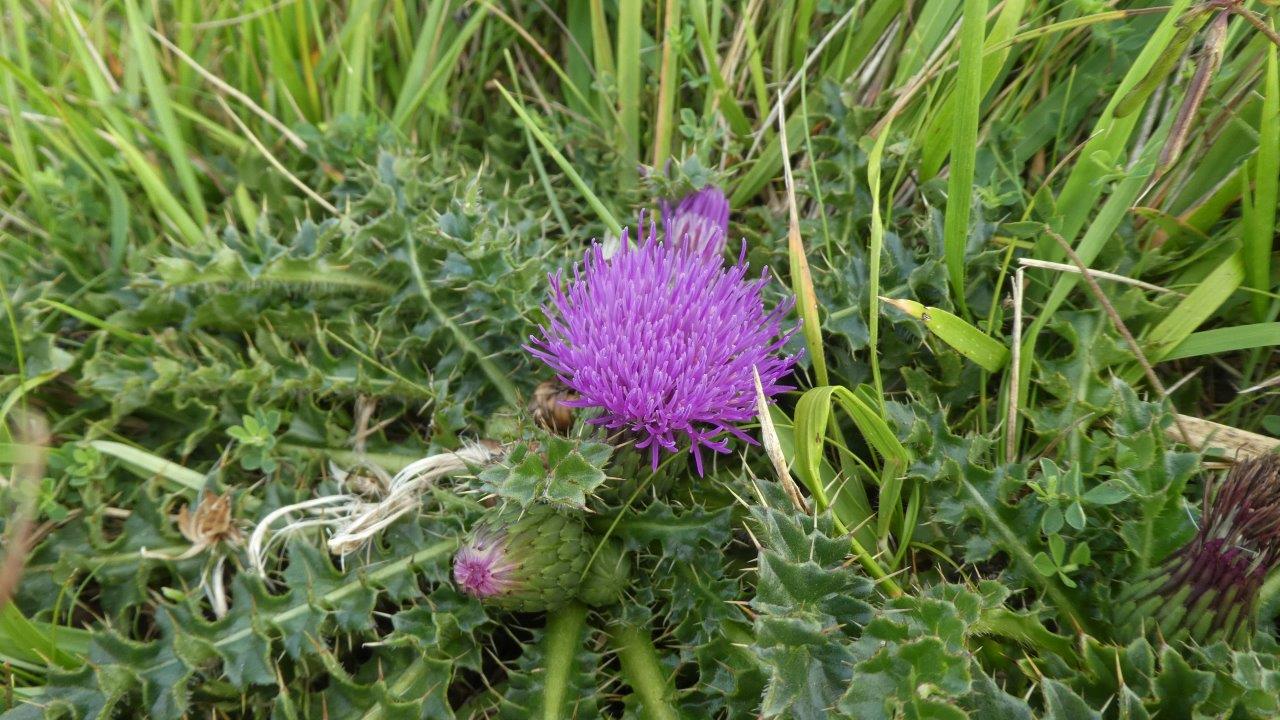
{"type": "Point", "coordinates": [529, 561]}
{"type": "Point", "coordinates": [699, 223]}
{"type": "Point", "coordinates": [1207, 590]}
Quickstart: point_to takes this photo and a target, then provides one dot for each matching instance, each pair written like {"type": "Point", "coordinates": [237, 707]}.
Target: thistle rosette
{"type": "Point", "coordinates": [662, 338]}
{"type": "Point", "coordinates": [1207, 590]}
{"type": "Point", "coordinates": [526, 560]}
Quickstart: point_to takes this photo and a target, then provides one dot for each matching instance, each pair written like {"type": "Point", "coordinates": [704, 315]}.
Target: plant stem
{"type": "Point", "coordinates": [641, 670]}
{"type": "Point", "coordinates": [560, 646]}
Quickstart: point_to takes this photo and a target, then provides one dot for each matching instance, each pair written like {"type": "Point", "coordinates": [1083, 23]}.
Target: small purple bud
{"type": "Point", "coordinates": [699, 222]}
{"type": "Point", "coordinates": [480, 567]}
{"type": "Point", "coordinates": [529, 559]}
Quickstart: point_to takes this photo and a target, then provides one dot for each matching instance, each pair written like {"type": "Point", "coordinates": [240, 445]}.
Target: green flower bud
{"type": "Point", "coordinates": [526, 560]}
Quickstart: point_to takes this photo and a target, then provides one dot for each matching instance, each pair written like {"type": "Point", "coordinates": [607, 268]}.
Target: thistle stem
{"type": "Point", "coordinates": [642, 671]}
{"type": "Point", "coordinates": [560, 647]}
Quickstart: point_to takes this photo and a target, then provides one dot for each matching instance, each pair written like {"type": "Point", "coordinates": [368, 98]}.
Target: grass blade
{"type": "Point", "coordinates": [663, 122]}
{"type": "Point", "coordinates": [1188, 26]}
{"type": "Point", "coordinates": [969, 341]}
{"type": "Point", "coordinates": [848, 500]}
{"type": "Point", "coordinates": [425, 53]}
{"type": "Point", "coordinates": [1260, 223]}
{"type": "Point", "coordinates": [874, 159]}
{"type": "Point", "coordinates": [414, 95]}
{"type": "Point", "coordinates": [964, 146]}
{"type": "Point", "coordinates": [801, 277]}
{"type": "Point", "coordinates": [1225, 340]}
{"type": "Point", "coordinates": [354, 64]}
{"type": "Point", "coordinates": [1106, 145]}
{"type": "Point", "coordinates": [166, 204]}
{"type": "Point", "coordinates": [601, 46]}
{"type": "Point", "coordinates": [935, 137]}
{"type": "Point", "coordinates": [630, 22]}
{"type": "Point", "coordinates": [565, 166]}
{"type": "Point", "coordinates": [162, 106]}
{"type": "Point", "coordinates": [724, 98]}
{"type": "Point", "coordinates": [39, 643]}
{"type": "Point", "coordinates": [1196, 307]}
{"type": "Point", "coordinates": [148, 466]}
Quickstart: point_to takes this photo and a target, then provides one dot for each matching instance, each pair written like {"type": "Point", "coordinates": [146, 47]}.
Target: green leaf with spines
{"type": "Point", "coordinates": [680, 535]}
{"type": "Point", "coordinates": [562, 472]}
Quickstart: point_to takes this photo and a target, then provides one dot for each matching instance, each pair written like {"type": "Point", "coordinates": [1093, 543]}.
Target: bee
{"type": "Point", "coordinates": [548, 409]}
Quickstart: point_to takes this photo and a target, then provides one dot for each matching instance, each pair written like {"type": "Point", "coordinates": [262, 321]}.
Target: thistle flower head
{"type": "Point", "coordinates": [699, 222]}
{"type": "Point", "coordinates": [663, 341]}
{"type": "Point", "coordinates": [481, 566]}
{"type": "Point", "coordinates": [1208, 589]}
{"type": "Point", "coordinates": [528, 560]}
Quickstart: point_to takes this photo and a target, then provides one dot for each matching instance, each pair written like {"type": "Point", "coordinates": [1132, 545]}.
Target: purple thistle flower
{"type": "Point", "coordinates": [1208, 589]}
{"type": "Point", "coordinates": [700, 222]}
{"type": "Point", "coordinates": [663, 342]}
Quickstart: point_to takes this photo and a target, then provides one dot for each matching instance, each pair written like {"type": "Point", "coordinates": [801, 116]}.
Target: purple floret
{"type": "Point", "coordinates": [480, 567]}
{"type": "Point", "coordinates": [700, 222]}
{"type": "Point", "coordinates": [662, 341]}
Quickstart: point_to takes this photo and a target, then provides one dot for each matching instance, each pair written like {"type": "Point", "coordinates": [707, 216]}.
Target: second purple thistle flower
{"type": "Point", "coordinates": [662, 337]}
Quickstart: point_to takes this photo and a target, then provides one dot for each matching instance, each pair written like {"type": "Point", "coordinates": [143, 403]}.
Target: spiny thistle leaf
{"type": "Point", "coordinates": [522, 697]}
{"type": "Point", "coordinates": [806, 602]}
{"type": "Point", "coordinates": [679, 535]}
{"type": "Point", "coordinates": [564, 473]}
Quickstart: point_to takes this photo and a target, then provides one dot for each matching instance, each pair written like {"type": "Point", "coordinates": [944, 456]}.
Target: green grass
{"type": "Point", "coordinates": [345, 214]}
{"type": "Point", "coordinates": [964, 144]}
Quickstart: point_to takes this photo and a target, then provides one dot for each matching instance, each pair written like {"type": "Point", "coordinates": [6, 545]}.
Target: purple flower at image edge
{"type": "Point", "coordinates": [663, 341]}
{"type": "Point", "coordinates": [1209, 589]}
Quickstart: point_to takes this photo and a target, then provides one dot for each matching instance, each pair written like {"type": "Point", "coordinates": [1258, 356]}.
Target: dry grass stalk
{"type": "Point", "coordinates": [773, 448]}
{"type": "Point", "coordinates": [1206, 435]}
{"type": "Point", "coordinates": [33, 439]}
